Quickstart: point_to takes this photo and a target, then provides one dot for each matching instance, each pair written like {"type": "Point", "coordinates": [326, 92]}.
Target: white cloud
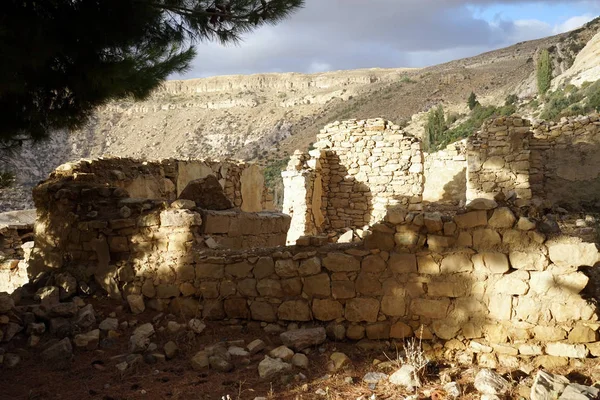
{"type": "Point", "coordinates": [573, 23]}
{"type": "Point", "coordinates": [349, 34]}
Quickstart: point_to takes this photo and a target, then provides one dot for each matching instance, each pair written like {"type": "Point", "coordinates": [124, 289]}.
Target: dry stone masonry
{"type": "Point", "coordinates": [16, 242]}
{"type": "Point", "coordinates": [88, 220]}
{"type": "Point", "coordinates": [358, 171]}
{"type": "Point", "coordinates": [498, 159]}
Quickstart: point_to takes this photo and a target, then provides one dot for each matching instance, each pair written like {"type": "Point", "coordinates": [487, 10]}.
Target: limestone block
{"type": "Point", "coordinates": [236, 308]}
{"type": "Point", "coordinates": [583, 334]}
{"type": "Point", "coordinates": [294, 310]}
{"type": "Point", "coordinates": [440, 243]}
{"type": "Point", "coordinates": [402, 263]}
{"type": "Point", "coordinates": [355, 332]}
{"type": "Point", "coordinates": [368, 284]}
{"type": "Point", "coordinates": [209, 290]}
{"type": "Point", "coordinates": [263, 311]}
{"type": "Point", "coordinates": [500, 307]}
{"type": "Point", "coordinates": [571, 253]}
{"type": "Point", "coordinates": [343, 289]}
{"type": "Point", "coordinates": [448, 288]}
{"type": "Point", "coordinates": [503, 217]}
{"type": "Point", "coordinates": [464, 239]}
{"type": "Point", "coordinates": [394, 306]}
{"type": "Point", "coordinates": [286, 268]}
{"type": "Point", "coordinates": [362, 309]}
{"type": "Point", "coordinates": [269, 288]}
{"type": "Point", "coordinates": [486, 239]}
{"type": "Point", "coordinates": [406, 235]}
{"type": "Point", "coordinates": [291, 287]}
{"type": "Point", "coordinates": [217, 222]}
{"type": "Point", "coordinates": [435, 309]}
{"type": "Point", "coordinates": [180, 218]}
{"type": "Point", "coordinates": [427, 265]}
{"type": "Point", "coordinates": [549, 333]}
{"type": "Point", "coordinates": [456, 263]}
{"type": "Point", "coordinates": [491, 263]}
{"type": "Point", "coordinates": [340, 262]}
{"type": "Point", "coordinates": [513, 284]}
{"type": "Point", "coordinates": [525, 224]}
{"type": "Point", "coordinates": [378, 331]}
{"type": "Point", "coordinates": [445, 329]}
{"type": "Point", "coordinates": [380, 240]}
{"type": "Point", "coordinates": [373, 264]}
{"type": "Point", "coordinates": [265, 266]}
{"type": "Point", "coordinates": [311, 266]}
{"type": "Point", "coordinates": [209, 271]}
{"type": "Point", "coordinates": [400, 330]}
{"type": "Point", "coordinates": [433, 222]}
{"type": "Point", "coordinates": [559, 349]}
{"type": "Point", "coordinates": [471, 219]}
{"type": "Point", "coordinates": [247, 288]}
{"type": "Point", "coordinates": [317, 286]}
{"type": "Point", "coordinates": [327, 310]}
{"type": "Point", "coordinates": [529, 261]}
{"type": "Point", "coordinates": [252, 186]}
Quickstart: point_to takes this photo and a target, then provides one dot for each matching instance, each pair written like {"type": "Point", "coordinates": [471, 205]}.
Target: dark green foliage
{"type": "Point", "coordinates": [6, 179]}
{"type": "Point", "coordinates": [273, 179]}
{"type": "Point", "coordinates": [272, 172]}
{"type": "Point", "coordinates": [436, 126]}
{"type": "Point", "coordinates": [593, 100]}
{"type": "Point", "coordinates": [472, 101]}
{"type": "Point", "coordinates": [63, 58]}
{"type": "Point", "coordinates": [478, 116]}
{"type": "Point", "coordinates": [544, 72]}
{"type": "Point", "coordinates": [572, 101]}
{"type": "Point", "coordinates": [511, 100]}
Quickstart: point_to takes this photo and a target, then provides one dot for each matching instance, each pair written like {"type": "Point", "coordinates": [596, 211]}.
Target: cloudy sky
{"type": "Point", "coordinates": [348, 34]}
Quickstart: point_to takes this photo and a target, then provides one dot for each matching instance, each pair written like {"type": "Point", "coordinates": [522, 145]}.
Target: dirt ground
{"type": "Point", "coordinates": [93, 375]}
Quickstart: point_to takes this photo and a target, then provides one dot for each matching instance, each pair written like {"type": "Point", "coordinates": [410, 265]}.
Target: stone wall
{"type": "Point", "coordinates": [565, 165]}
{"type": "Point", "coordinates": [556, 163]}
{"type": "Point", "coordinates": [445, 176]}
{"type": "Point", "coordinates": [359, 170]}
{"type": "Point", "coordinates": [242, 183]}
{"type": "Point", "coordinates": [486, 276]}
{"type": "Point", "coordinates": [498, 159]}
{"type": "Point", "coordinates": [16, 228]}
{"type": "Point", "coordinates": [89, 223]}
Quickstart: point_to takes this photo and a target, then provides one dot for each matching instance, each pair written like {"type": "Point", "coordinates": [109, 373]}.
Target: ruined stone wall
{"type": "Point", "coordinates": [565, 165]}
{"type": "Point", "coordinates": [242, 183]}
{"type": "Point", "coordinates": [487, 276]}
{"type": "Point", "coordinates": [445, 176]}
{"type": "Point", "coordinates": [498, 159]}
{"type": "Point", "coordinates": [359, 170]}
{"type": "Point", "coordinates": [88, 223]}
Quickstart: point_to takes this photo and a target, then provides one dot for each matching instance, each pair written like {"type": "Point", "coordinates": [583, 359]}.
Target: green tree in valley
{"type": "Point", "coordinates": [544, 72]}
{"type": "Point", "coordinates": [472, 101]}
{"type": "Point", "coordinates": [436, 126]}
{"type": "Point", "coordinates": [63, 58]}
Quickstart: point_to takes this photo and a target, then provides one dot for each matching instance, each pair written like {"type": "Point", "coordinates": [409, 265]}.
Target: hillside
{"type": "Point", "coordinates": [265, 117]}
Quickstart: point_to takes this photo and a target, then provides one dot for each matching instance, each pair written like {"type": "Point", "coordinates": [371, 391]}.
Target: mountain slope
{"type": "Point", "coordinates": [265, 117]}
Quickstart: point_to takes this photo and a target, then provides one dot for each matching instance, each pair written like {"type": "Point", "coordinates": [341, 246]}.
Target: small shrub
{"type": "Point", "coordinates": [511, 99]}
{"type": "Point", "coordinates": [593, 97]}
{"type": "Point", "coordinates": [406, 79]}
{"type": "Point", "coordinates": [544, 72]}
{"type": "Point", "coordinates": [6, 179]}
